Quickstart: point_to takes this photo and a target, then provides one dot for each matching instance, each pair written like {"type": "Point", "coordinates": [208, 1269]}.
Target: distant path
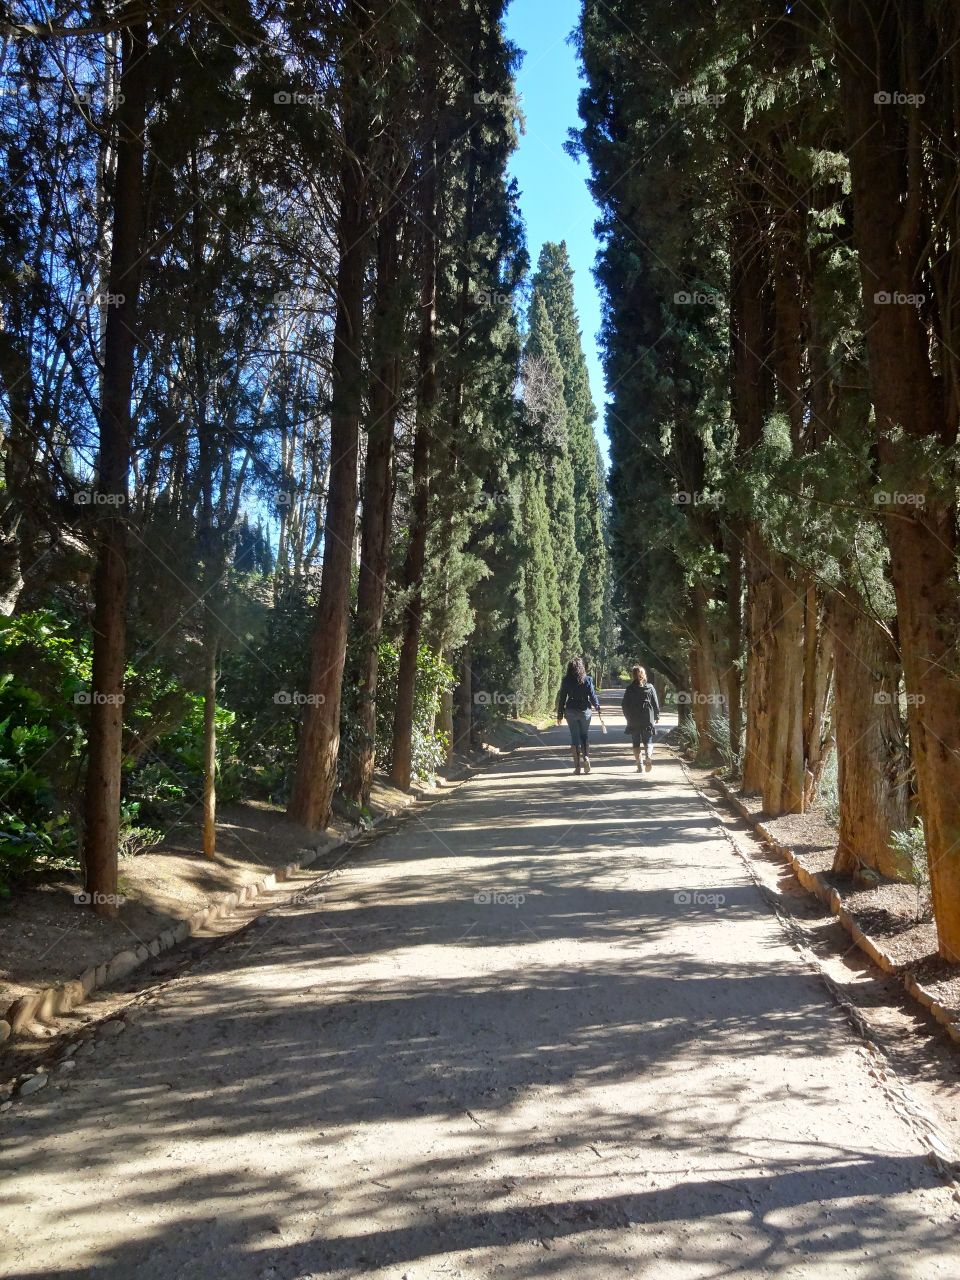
{"type": "Point", "coordinates": [613, 1077]}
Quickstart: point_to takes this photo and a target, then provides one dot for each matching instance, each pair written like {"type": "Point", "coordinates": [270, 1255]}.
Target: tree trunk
{"type": "Point", "coordinates": [402, 767]}
{"type": "Point", "coordinates": [446, 714]}
{"type": "Point", "coordinates": [463, 714]}
{"type": "Point", "coordinates": [377, 512]}
{"type": "Point", "coordinates": [818, 660]}
{"type": "Point", "coordinates": [102, 798]}
{"type": "Point", "coordinates": [734, 675]}
{"type": "Point", "coordinates": [872, 756]}
{"type": "Point", "coordinates": [706, 694]}
{"type": "Point", "coordinates": [773, 752]}
{"type": "Point", "coordinates": [210, 746]}
{"type": "Point", "coordinates": [315, 777]}
{"type": "Point", "coordinates": [885, 158]}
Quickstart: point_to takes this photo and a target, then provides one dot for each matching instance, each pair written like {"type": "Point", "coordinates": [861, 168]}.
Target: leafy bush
{"type": "Point", "coordinates": [135, 840]}
{"type": "Point", "coordinates": [155, 793]}
{"type": "Point", "coordinates": [688, 736]}
{"type": "Point", "coordinates": [42, 696]}
{"type": "Point", "coordinates": [828, 790]}
{"type": "Point", "coordinates": [32, 851]}
{"type": "Point", "coordinates": [910, 850]}
{"type": "Point", "coordinates": [44, 711]}
{"type": "Point", "coordinates": [429, 744]}
{"type": "Point", "coordinates": [720, 737]}
{"type": "Point", "coordinates": [273, 661]}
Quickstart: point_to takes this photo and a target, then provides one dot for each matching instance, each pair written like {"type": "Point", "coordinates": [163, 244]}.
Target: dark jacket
{"type": "Point", "coordinates": [574, 696]}
{"type": "Point", "coordinates": [641, 707]}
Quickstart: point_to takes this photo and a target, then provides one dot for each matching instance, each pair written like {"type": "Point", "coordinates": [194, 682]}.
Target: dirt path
{"type": "Point", "coordinates": [548, 1029]}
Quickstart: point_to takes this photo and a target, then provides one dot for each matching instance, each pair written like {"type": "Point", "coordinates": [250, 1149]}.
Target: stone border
{"type": "Point", "coordinates": [831, 899]}
{"type": "Point", "coordinates": [52, 1002]}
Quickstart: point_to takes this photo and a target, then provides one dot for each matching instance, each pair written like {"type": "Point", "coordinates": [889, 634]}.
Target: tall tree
{"type": "Point", "coordinates": [316, 771]}
{"type": "Point", "coordinates": [898, 71]}
{"type": "Point", "coordinates": [545, 398]}
{"type": "Point", "coordinates": [553, 281]}
{"type": "Point", "coordinates": [102, 807]}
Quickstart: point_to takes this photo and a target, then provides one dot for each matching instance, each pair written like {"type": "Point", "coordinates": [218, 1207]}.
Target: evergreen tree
{"type": "Point", "coordinates": [553, 282]}
{"type": "Point", "coordinates": [539, 600]}
{"type": "Point", "coordinates": [546, 404]}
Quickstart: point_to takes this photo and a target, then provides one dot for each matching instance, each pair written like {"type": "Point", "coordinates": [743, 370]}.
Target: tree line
{"type": "Point", "coordinates": [299, 475]}
{"type": "Point", "coordinates": [780, 214]}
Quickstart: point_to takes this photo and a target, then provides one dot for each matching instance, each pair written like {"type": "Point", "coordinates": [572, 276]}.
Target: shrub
{"type": "Point", "coordinates": [720, 737]}
{"type": "Point", "coordinates": [828, 793]}
{"type": "Point", "coordinates": [46, 678]}
{"type": "Point", "coordinates": [910, 850]}
{"type": "Point", "coordinates": [689, 737]}
{"type": "Point", "coordinates": [434, 676]}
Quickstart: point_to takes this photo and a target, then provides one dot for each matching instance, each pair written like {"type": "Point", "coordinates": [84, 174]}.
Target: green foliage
{"type": "Point", "coordinates": [156, 793]}
{"type": "Point", "coordinates": [553, 282]}
{"type": "Point", "coordinates": [689, 737]}
{"type": "Point", "coordinates": [43, 690]}
{"type": "Point", "coordinates": [272, 661]}
{"type": "Point", "coordinates": [719, 728]}
{"type": "Point", "coordinates": [828, 790]}
{"type": "Point", "coordinates": [546, 405]}
{"type": "Point", "coordinates": [33, 850]}
{"type": "Point", "coordinates": [44, 700]}
{"type": "Point", "coordinates": [429, 744]}
{"type": "Point", "coordinates": [910, 850]}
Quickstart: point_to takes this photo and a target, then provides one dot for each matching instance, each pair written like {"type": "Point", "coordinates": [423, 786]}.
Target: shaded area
{"type": "Point", "coordinates": [396, 1077]}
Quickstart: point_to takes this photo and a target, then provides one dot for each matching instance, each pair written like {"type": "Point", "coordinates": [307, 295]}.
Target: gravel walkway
{"type": "Point", "coordinates": [548, 1027]}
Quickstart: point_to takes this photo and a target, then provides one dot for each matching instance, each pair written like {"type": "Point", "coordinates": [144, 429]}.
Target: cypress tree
{"type": "Point", "coordinates": [544, 395]}
{"type": "Point", "coordinates": [553, 282]}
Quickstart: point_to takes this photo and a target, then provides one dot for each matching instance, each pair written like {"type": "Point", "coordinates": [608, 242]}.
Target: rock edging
{"type": "Point", "coordinates": [832, 900]}
{"type": "Point", "coordinates": [49, 1003]}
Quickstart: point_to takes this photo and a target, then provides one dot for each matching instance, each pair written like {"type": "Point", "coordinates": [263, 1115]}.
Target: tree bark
{"type": "Point", "coordinates": [210, 747]}
{"type": "Point", "coordinates": [463, 705]}
{"type": "Point", "coordinates": [706, 694]}
{"type": "Point", "coordinates": [773, 755]}
{"type": "Point", "coordinates": [102, 797]}
{"type": "Point", "coordinates": [818, 662]}
{"type": "Point", "coordinates": [315, 776]}
{"type": "Point", "coordinates": [377, 513]}
{"type": "Point", "coordinates": [402, 754]}
{"type": "Point", "coordinates": [733, 675]}
{"type": "Point", "coordinates": [446, 714]}
{"type": "Point", "coordinates": [885, 151]}
{"type": "Point", "coordinates": [872, 757]}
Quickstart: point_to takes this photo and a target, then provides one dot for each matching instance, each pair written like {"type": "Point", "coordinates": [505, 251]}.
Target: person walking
{"type": "Point", "coordinates": [641, 710]}
{"type": "Point", "coordinates": [576, 701]}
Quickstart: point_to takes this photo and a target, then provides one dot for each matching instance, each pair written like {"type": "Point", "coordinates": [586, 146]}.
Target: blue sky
{"type": "Point", "coordinates": [554, 197]}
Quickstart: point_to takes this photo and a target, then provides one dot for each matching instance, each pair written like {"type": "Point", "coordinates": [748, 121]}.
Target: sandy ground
{"type": "Point", "coordinates": [549, 1027]}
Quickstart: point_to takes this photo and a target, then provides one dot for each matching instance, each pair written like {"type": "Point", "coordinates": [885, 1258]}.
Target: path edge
{"type": "Point", "coordinates": [47, 1004]}
{"type": "Point", "coordinates": [831, 899]}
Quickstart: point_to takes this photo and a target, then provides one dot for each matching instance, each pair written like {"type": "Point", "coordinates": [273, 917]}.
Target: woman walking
{"type": "Point", "coordinates": [641, 710]}
{"type": "Point", "coordinates": [576, 701]}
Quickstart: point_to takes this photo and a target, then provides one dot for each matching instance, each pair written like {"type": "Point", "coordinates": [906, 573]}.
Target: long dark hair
{"type": "Point", "coordinates": [576, 670]}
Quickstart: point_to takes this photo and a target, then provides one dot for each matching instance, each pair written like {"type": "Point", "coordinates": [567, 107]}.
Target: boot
{"type": "Point", "coordinates": [576, 759]}
{"type": "Point", "coordinates": [586, 763]}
